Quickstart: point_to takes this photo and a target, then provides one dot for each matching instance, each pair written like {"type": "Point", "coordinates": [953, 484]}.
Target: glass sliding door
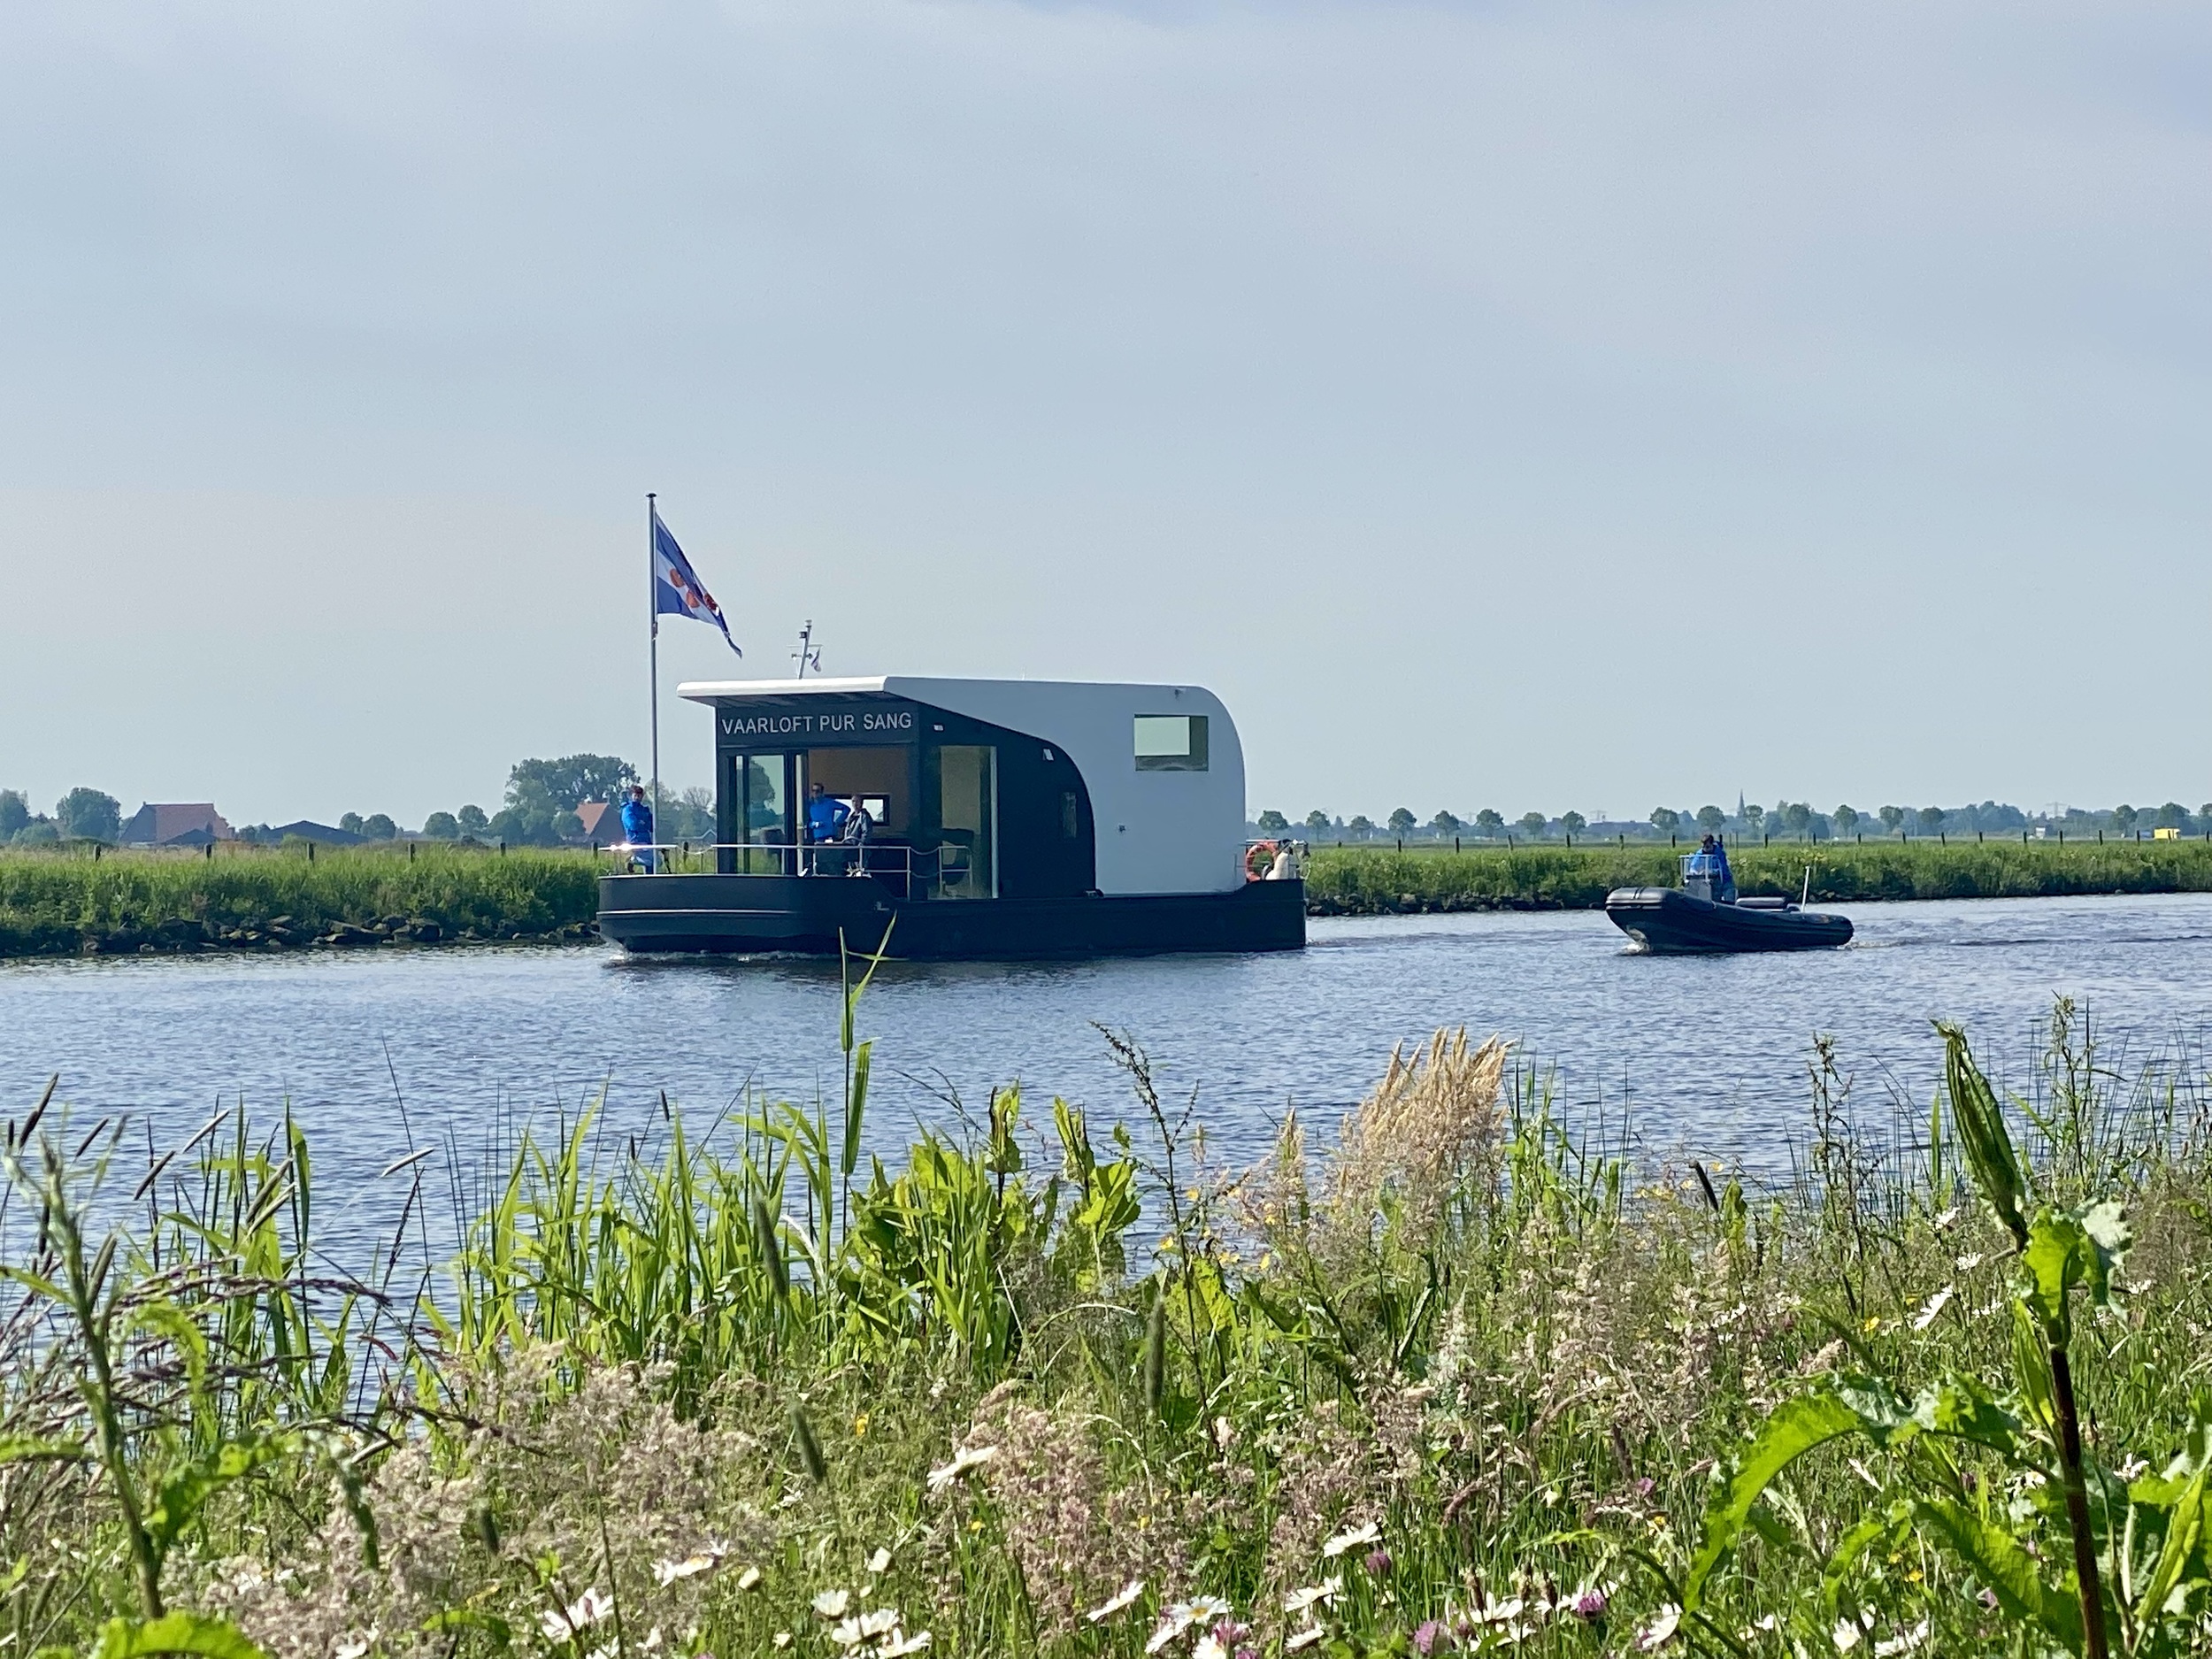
{"type": "Point", "coordinates": [763, 814]}
{"type": "Point", "coordinates": [967, 820]}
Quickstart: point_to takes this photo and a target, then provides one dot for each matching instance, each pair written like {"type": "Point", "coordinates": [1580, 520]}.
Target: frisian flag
{"type": "Point", "coordinates": [676, 589]}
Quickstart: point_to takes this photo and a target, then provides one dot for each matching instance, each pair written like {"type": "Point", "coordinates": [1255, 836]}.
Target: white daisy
{"type": "Point", "coordinates": [1114, 1603]}
{"type": "Point", "coordinates": [1369, 1534]}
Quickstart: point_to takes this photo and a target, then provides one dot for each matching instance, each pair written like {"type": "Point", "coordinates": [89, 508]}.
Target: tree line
{"type": "Point", "coordinates": [1795, 820]}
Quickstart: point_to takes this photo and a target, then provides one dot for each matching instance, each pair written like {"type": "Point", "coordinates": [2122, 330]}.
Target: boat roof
{"type": "Point", "coordinates": [917, 687]}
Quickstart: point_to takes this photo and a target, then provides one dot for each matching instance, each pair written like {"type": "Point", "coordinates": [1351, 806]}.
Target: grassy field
{"type": "Point", "coordinates": [1372, 881]}
{"type": "Point", "coordinates": [274, 899]}
{"type": "Point", "coordinates": [1449, 1381]}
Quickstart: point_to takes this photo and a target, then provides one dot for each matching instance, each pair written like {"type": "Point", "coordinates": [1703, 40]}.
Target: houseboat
{"type": "Point", "coordinates": [963, 818]}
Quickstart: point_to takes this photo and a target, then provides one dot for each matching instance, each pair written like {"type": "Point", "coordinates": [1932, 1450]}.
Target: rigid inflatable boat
{"type": "Point", "coordinates": [1704, 914]}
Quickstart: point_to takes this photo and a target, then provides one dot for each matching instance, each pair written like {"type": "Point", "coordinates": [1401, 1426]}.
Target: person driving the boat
{"type": "Point", "coordinates": [1711, 859]}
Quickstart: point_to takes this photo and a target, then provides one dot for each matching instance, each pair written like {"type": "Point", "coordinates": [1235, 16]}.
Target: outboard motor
{"type": "Point", "coordinates": [1706, 875]}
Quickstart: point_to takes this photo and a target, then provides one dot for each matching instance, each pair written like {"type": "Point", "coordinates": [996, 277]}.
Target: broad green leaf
{"type": "Point", "coordinates": [1795, 1427]}
{"type": "Point", "coordinates": [184, 1492]}
{"type": "Point", "coordinates": [2031, 1365]}
{"type": "Point", "coordinates": [173, 1633]}
{"type": "Point", "coordinates": [170, 1320]}
{"type": "Point", "coordinates": [24, 1449]}
{"type": "Point", "coordinates": [856, 1106]}
{"type": "Point", "coordinates": [1961, 1408]}
{"type": "Point", "coordinates": [2011, 1574]}
{"type": "Point", "coordinates": [1982, 1135]}
{"type": "Point", "coordinates": [1853, 1545]}
{"type": "Point", "coordinates": [2070, 1247]}
{"type": "Point", "coordinates": [2185, 1529]}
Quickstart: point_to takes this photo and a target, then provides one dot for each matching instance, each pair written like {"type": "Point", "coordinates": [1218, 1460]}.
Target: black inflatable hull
{"type": "Point", "coordinates": [1668, 920]}
{"type": "Point", "coordinates": [743, 914]}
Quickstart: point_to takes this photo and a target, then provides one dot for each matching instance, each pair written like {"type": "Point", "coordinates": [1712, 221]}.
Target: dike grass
{"type": "Point", "coordinates": [258, 899]}
{"type": "Point", "coordinates": [1372, 881]}
{"type": "Point", "coordinates": [1459, 1381]}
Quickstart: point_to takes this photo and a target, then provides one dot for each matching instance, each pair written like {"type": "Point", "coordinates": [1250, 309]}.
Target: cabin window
{"type": "Point", "coordinates": [1170, 742]}
{"type": "Point", "coordinates": [1071, 817]}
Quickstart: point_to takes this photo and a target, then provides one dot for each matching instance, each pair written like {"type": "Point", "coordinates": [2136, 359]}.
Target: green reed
{"type": "Point", "coordinates": [1585, 1399]}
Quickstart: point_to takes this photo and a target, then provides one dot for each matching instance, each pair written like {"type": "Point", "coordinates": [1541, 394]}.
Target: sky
{"type": "Point", "coordinates": [1536, 406]}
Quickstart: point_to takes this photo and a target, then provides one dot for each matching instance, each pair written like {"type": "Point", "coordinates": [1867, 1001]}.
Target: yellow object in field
{"type": "Point", "coordinates": [2168, 833]}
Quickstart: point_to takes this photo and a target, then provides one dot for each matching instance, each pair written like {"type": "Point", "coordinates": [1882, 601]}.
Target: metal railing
{"type": "Point", "coordinates": [943, 872]}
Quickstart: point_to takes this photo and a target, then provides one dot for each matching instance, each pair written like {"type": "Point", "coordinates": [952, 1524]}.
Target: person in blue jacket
{"type": "Point", "coordinates": [1711, 859]}
{"type": "Point", "coordinates": [637, 828]}
{"type": "Point", "coordinates": [825, 816]}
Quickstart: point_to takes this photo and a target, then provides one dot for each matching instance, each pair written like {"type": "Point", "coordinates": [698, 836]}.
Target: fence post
{"type": "Point", "coordinates": [1401, 843]}
{"type": "Point", "coordinates": [211, 852]}
{"type": "Point", "coordinates": [503, 847]}
{"type": "Point", "coordinates": [311, 852]}
{"type": "Point", "coordinates": [1454, 843]}
{"type": "Point", "coordinates": [410, 852]}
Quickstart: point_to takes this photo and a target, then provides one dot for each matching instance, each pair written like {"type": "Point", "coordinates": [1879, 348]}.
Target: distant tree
{"type": "Point", "coordinates": [1532, 824]}
{"type": "Point", "coordinates": [562, 784]}
{"type": "Point", "coordinates": [91, 814]}
{"type": "Point", "coordinates": [1797, 817]}
{"type": "Point", "coordinates": [2173, 816]}
{"type": "Point", "coordinates": [507, 824]}
{"type": "Point", "coordinates": [2124, 817]}
{"type": "Point", "coordinates": [1754, 814]}
{"type": "Point", "coordinates": [350, 823]}
{"type": "Point", "coordinates": [1846, 820]}
{"type": "Point", "coordinates": [1446, 823]}
{"type": "Point", "coordinates": [441, 826]}
{"type": "Point", "coordinates": [1573, 823]}
{"type": "Point", "coordinates": [1273, 823]}
{"type": "Point", "coordinates": [1401, 822]}
{"type": "Point", "coordinates": [1317, 824]}
{"type": "Point", "coordinates": [472, 821]}
{"type": "Point", "coordinates": [1488, 821]}
{"type": "Point", "coordinates": [690, 816]}
{"type": "Point", "coordinates": [1361, 826]}
{"type": "Point", "coordinates": [1892, 817]}
{"type": "Point", "coordinates": [37, 833]}
{"type": "Point", "coordinates": [568, 827]}
{"type": "Point", "coordinates": [1711, 819]}
{"type": "Point", "coordinates": [1931, 819]}
{"type": "Point", "coordinates": [15, 813]}
{"type": "Point", "coordinates": [1665, 819]}
{"type": "Point", "coordinates": [2204, 817]}
{"type": "Point", "coordinates": [378, 826]}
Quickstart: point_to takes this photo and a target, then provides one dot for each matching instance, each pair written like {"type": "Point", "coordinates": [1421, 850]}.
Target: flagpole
{"type": "Point", "coordinates": [653, 659]}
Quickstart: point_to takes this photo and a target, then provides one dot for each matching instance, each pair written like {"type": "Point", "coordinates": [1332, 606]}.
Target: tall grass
{"type": "Point", "coordinates": [1451, 1377]}
{"type": "Point", "coordinates": [1358, 881]}
{"type": "Point", "coordinates": [269, 899]}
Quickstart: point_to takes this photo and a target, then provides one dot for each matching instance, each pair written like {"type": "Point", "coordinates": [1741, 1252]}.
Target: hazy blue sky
{"type": "Point", "coordinates": [1554, 405]}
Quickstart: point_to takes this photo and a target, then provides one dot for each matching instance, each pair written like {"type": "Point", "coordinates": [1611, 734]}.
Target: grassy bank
{"type": "Point", "coordinates": [1452, 1381]}
{"type": "Point", "coordinates": [277, 899]}
{"type": "Point", "coordinates": [1361, 881]}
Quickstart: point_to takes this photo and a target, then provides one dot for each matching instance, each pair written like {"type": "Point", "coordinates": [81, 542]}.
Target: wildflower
{"type": "Point", "coordinates": [1846, 1635]}
{"type": "Point", "coordinates": [860, 1426]}
{"type": "Point", "coordinates": [1431, 1637]}
{"type": "Point", "coordinates": [1588, 1603]}
{"type": "Point", "coordinates": [833, 1603]}
{"type": "Point", "coordinates": [1367, 1534]}
{"type": "Point", "coordinates": [1230, 1631]}
{"type": "Point", "coordinates": [1305, 1637]}
{"type": "Point", "coordinates": [878, 1562]}
{"type": "Point", "coordinates": [866, 1628]}
{"type": "Point", "coordinates": [2134, 1469]}
{"type": "Point", "coordinates": [585, 1611]}
{"type": "Point", "coordinates": [1967, 1263]}
{"type": "Point", "coordinates": [964, 1459]}
{"type": "Point", "coordinates": [354, 1647]}
{"type": "Point", "coordinates": [1377, 1562]}
{"type": "Point", "coordinates": [668, 1572]}
{"type": "Point", "coordinates": [1299, 1600]}
{"type": "Point", "coordinates": [1935, 1305]}
{"type": "Point", "coordinates": [748, 1578]}
{"type": "Point", "coordinates": [1659, 1632]}
{"type": "Point", "coordinates": [782, 1639]}
{"type": "Point", "coordinates": [1208, 1647]}
{"type": "Point", "coordinates": [1114, 1603]}
{"type": "Point", "coordinates": [899, 1644]}
{"type": "Point", "coordinates": [1905, 1641]}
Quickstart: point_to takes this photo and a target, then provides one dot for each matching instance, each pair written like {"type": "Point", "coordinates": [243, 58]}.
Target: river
{"type": "Point", "coordinates": [1704, 1053]}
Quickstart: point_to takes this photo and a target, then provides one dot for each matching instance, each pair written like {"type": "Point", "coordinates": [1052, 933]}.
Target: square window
{"type": "Point", "coordinates": [1170, 742]}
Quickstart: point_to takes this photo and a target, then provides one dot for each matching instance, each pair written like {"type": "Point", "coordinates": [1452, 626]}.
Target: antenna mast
{"type": "Point", "coordinates": [809, 655]}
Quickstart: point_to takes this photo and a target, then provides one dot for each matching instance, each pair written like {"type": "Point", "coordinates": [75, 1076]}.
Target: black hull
{"type": "Point", "coordinates": [746, 914]}
{"type": "Point", "coordinates": [1668, 920]}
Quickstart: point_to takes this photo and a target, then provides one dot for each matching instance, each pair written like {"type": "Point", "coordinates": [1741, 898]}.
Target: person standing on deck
{"type": "Point", "coordinates": [637, 829]}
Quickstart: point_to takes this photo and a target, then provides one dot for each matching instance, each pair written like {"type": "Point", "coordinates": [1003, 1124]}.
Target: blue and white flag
{"type": "Point", "coordinates": [676, 589]}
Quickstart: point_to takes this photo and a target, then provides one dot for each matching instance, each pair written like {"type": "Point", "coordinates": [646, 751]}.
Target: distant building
{"type": "Point", "coordinates": [170, 823]}
{"type": "Point", "coordinates": [597, 816]}
{"type": "Point", "coordinates": [307, 829]}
